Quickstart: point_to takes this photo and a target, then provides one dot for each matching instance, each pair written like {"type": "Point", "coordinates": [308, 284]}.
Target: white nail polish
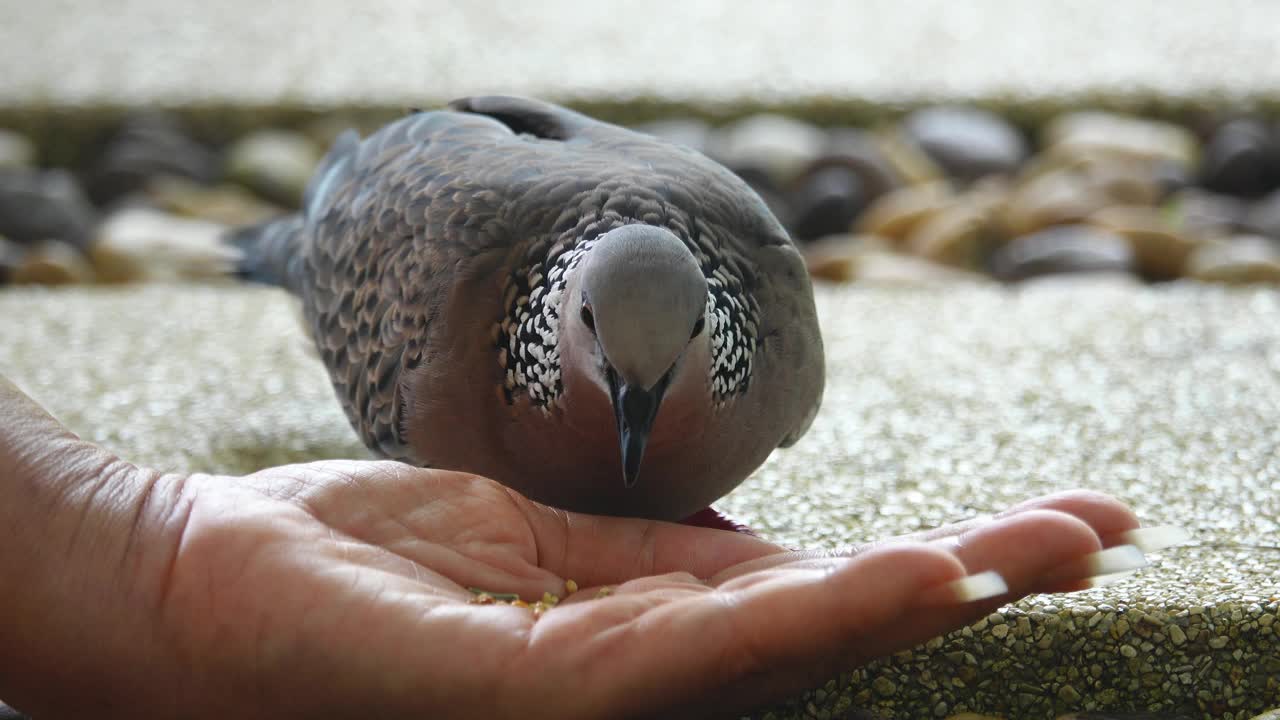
{"type": "Point", "coordinates": [982, 586]}
{"type": "Point", "coordinates": [1120, 558]}
{"type": "Point", "coordinates": [1159, 537]}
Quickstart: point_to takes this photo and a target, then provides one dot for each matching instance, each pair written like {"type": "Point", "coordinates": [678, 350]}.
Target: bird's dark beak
{"type": "Point", "coordinates": [635, 410]}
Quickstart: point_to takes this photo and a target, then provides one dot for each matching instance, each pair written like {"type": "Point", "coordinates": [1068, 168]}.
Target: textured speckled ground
{"type": "Point", "coordinates": [940, 405]}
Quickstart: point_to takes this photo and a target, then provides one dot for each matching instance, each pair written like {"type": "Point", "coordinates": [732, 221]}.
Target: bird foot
{"type": "Point", "coordinates": [711, 518]}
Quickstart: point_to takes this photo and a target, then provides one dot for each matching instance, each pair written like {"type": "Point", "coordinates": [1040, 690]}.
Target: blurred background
{"type": "Point", "coordinates": [912, 138]}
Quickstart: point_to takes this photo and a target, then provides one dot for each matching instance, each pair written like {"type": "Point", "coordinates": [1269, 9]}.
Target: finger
{"type": "Point", "coordinates": [815, 623]}
{"type": "Point", "coordinates": [1024, 548]}
{"type": "Point", "coordinates": [598, 550]}
{"type": "Point", "coordinates": [1105, 514]}
{"type": "Point", "coordinates": [1108, 517]}
{"type": "Point", "coordinates": [749, 640]}
{"type": "Point", "coordinates": [1023, 544]}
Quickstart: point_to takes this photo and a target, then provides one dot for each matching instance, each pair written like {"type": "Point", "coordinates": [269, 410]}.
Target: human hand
{"type": "Point", "coordinates": [341, 588]}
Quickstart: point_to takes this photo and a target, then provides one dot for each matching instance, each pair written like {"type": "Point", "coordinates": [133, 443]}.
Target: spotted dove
{"type": "Point", "coordinates": [599, 319]}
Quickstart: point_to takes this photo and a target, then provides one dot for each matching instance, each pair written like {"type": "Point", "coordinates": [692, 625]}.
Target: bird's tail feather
{"type": "Point", "coordinates": [270, 251]}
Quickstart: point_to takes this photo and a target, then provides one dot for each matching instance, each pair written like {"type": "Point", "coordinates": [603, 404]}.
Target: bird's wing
{"type": "Point", "coordinates": [394, 225]}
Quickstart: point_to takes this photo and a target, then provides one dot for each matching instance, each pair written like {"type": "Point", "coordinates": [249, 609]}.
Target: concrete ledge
{"type": "Point", "coordinates": [941, 405]}
{"type": "Point", "coordinates": [387, 52]}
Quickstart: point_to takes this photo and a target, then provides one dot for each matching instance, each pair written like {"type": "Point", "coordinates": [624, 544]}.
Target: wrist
{"type": "Point", "coordinates": [81, 560]}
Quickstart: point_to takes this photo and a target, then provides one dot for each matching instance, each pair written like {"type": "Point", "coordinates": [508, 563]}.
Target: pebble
{"type": "Point", "coordinates": [885, 268]}
{"type": "Point", "coordinates": [1159, 251]}
{"type": "Point", "coordinates": [1126, 182]}
{"type": "Point", "coordinates": [276, 164]}
{"type": "Point", "coordinates": [1263, 216]}
{"type": "Point", "coordinates": [966, 142]}
{"type": "Point", "coordinates": [1121, 136]}
{"type": "Point", "coordinates": [827, 201]}
{"type": "Point", "coordinates": [148, 146]}
{"type": "Point", "coordinates": [1240, 260]}
{"type": "Point", "coordinates": [836, 257]}
{"type": "Point", "coordinates": [225, 204]}
{"type": "Point", "coordinates": [1053, 198]}
{"type": "Point", "coordinates": [11, 254]}
{"type": "Point", "coordinates": [897, 213]}
{"type": "Point", "coordinates": [884, 686]}
{"type": "Point", "coordinates": [859, 151]}
{"type": "Point", "coordinates": [781, 146]}
{"type": "Point", "coordinates": [1062, 249]}
{"type": "Point", "coordinates": [907, 159]}
{"type": "Point", "coordinates": [1068, 694]}
{"type": "Point", "coordinates": [1241, 158]}
{"type": "Point", "coordinates": [52, 262]}
{"type": "Point", "coordinates": [958, 235]}
{"type": "Point", "coordinates": [1204, 215]}
{"type": "Point", "coordinates": [16, 151]}
{"type": "Point", "coordinates": [37, 205]}
{"type": "Point", "coordinates": [140, 244]}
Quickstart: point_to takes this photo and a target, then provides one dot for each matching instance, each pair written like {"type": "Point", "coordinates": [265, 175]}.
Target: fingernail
{"type": "Point", "coordinates": [982, 586]}
{"type": "Point", "coordinates": [1118, 559]}
{"type": "Point", "coordinates": [971, 588]}
{"type": "Point", "coordinates": [1159, 537]}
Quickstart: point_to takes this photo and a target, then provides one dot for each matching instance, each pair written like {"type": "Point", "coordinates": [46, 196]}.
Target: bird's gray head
{"type": "Point", "coordinates": [643, 297]}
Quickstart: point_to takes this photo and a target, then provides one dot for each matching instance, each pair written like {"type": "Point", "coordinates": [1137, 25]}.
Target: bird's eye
{"type": "Point", "coordinates": [588, 318]}
{"type": "Point", "coordinates": [697, 327]}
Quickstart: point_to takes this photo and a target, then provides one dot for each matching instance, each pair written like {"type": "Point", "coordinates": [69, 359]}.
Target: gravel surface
{"type": "Point", "coordinates": [940, 405]}
{"type": "Point", "coordinates": [384, 51]}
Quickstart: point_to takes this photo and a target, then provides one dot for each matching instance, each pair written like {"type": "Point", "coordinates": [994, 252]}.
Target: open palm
{"type": "Point", "coordinates": [345, 585]}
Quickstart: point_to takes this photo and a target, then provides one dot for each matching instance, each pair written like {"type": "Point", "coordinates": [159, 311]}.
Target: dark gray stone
{"type": "Point", "coordinates": [1241, 158]}
{"type": "Point", "coordinates": [11, 257]}
{"type": "Point", "coordinates": [37, 205]}
{"type": "Point", "coordinates": [1263, 216]}
{"type": "Point", "coordinates": [1062, 249]}
{"type": "Point", "coordinates": [827, 202]}
{"type": "Point", "coordinates": [145, 147]}
{"type": "Point", "coordinates": [967, 142]}
{"type": "Point", "coordinates": [858, 151]}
